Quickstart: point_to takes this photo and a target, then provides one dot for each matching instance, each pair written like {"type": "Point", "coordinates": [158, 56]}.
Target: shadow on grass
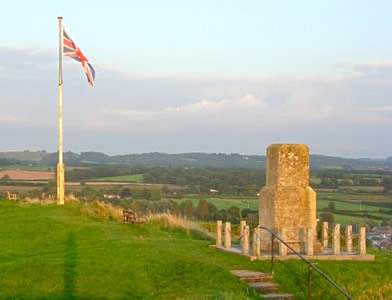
{"type": "Point", "coordinates": [70, 262]}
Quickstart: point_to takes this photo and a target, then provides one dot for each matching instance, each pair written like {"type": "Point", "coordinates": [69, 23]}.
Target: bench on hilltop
{"type": "Point", "coordinates": [12, 196]}
{"type": "Point", "coordinates": [130, 216]}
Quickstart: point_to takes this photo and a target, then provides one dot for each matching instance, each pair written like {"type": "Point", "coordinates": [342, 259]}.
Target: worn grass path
{"type": "Point", "coordinates": [52, 252]}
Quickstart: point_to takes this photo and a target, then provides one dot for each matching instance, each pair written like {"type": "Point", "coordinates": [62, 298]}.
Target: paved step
{"type": "Point", "coordinates": [259, 282]}
{"type": "Point", "coordinates": [277, 296]}
{"type": "Point", "coordinates": [252, 276]}
{"type": "Point", "coordinates": [264, 287]}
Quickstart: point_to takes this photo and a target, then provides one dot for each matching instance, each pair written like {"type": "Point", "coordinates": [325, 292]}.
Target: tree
{"type": "Point", "coordinates": [327, 217]}
{"type": "Point", "coordinates": [155, 194]}
{"type": "Point", "coordinates": [125, 193]}
{"type": "Point", "coordinates": [234, 212]}
{"type": "Point", "coordinates": [387, 184]}
{"type": "Point", "coordinates": [175, 209]}
{"type": "Point", "coordinates": [5, 177]}
{"type": "Point", "coordinates": [202, 209]}
{"type": "Point", "coordinates": [188, 209]}
{"type": "Point", "coordinates": [331, 206]}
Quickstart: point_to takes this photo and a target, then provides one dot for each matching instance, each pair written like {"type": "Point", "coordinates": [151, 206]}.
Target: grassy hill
{"type": "Point", "coordinates": [53, 252]}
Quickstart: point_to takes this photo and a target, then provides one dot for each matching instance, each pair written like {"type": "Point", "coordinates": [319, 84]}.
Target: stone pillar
{"type": "Point", "coordinates": [245, 241]}
{"type": "Point", "coordinates": [254, 238]}
{"type": "Point", "coordinates": [362, 241]}
{"type": "Point", "coordinates": [309, 242]}
{"type": "Point", "coordinates": [227, 235]}
{"type": "Point", "coordinates": [336, 240]}
{"type": "Point", "coordinates": [287, 201]}
{"type": "Point", "coordinates": [256, 242]}
{"type": "Point", "coordinates": [282, 247]}
{"type": "Point", "coordinates": [242, 229]}
{"type": "Point", "coordinates": [219, 233]}
{"type": "Point", "coordinates": [325, 234]}
{"type": "Point", "coordinates": [349, 238]}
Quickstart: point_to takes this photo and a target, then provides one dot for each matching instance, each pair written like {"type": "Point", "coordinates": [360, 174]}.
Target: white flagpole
{"type": "Point", "coordinates": [60, 165]}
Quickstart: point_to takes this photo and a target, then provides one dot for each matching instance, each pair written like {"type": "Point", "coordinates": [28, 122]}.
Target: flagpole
{"type": "Point", "coordinates": [60, 165]}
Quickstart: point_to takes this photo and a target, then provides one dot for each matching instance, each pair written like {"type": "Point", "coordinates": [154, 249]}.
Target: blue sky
{"type": "Point", "coordinates": [213, 76]}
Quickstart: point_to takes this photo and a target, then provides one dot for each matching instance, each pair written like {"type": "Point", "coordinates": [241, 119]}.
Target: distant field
{"type": "Point", "coordinates": [315, 180]}
{"type": "Point", "coordinates": [18, 189]}
{"type": "Point", "coordinates": [355, 196]}
{"type": "Point", "coordinates": [27, 175]}
{"type": "Point", "coordinates": [27, 168]}
{"type": "Point", "coordinates": [32, 156]}
{"type": "Point", "coordinates": [125, 178]}
{"type": "Point", "coordinates": [363, 188]}
{"type": "Point", "coordinates": [346, 220]}
{"type": "Point", "coordinates": [340, 205]}
{"type": "Point", "coordinates": [227, 202]}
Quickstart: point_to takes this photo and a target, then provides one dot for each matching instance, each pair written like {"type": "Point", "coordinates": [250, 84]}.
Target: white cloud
{"type": "Point", "coordinates": [378, 108]}
{"type": "Point", "coordinates": [184, 111]}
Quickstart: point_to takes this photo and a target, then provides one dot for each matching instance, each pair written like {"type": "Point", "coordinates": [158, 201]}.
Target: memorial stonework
{"type": "Point", "coordinates": [287, 201]}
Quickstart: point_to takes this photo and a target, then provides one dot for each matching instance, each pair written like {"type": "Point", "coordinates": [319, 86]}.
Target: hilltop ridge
{"type": "Point", "coordinates": [184, 160]}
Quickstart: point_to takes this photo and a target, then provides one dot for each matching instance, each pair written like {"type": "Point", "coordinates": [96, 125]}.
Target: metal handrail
{"type": "Point", "coordinates": [310, 265]}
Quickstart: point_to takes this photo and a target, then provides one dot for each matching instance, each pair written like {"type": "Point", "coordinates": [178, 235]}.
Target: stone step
{"type": "Point", "coordinates": [277, 296]}
{"type": "Point", "coordinates": [264, 287]}
{"type": "Point", "coordinates": [252, 276]}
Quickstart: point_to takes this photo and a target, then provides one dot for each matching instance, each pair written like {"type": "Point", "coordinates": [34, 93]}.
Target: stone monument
{"type": "Point", "coordinates": [287, 202]}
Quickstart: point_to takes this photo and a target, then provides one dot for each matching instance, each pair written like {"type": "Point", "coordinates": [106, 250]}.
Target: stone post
{"type": "Point", "coordinates": [282, 247]}
{"type": "Point", "coordinates": [336, 240]}
{"type": "Point", "coordinates": [219, 233]}
{"type": "Point", "coordinates": [349, 238]}
{"type": "Point", "coordinates": [242, 229]}
{"type": "Point", "coordinates": [325, 234]}
{"type": "Point", "coordinates": [254, 237]}
{"type": "Point", "coordinates": [309, 242]}
{"type": "Point", "coordinates": [256, 242]}
{"type": "Point", "coordinates": [362, 241]}
{"type": "Point", "coordinates": [245, 241]}
{"type": "Point", "coordinates": [227, 235]}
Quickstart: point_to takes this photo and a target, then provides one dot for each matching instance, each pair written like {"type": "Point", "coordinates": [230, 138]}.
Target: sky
{"type": "Point", "coordinates": [200, 76]}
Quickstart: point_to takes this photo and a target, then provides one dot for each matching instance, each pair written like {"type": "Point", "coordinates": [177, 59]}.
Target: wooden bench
{"type": "Point", "coordinates": [12, 196]}
{"type": "Point", "coordinates": [130, 216]}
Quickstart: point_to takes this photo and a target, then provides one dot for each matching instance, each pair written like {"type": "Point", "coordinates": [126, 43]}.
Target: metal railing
{"type": "Point", "coordinates": [310, 265]}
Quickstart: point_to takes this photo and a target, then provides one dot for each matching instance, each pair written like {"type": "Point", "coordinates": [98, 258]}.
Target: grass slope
{"type": "Point", "coordinates": [53, 252]}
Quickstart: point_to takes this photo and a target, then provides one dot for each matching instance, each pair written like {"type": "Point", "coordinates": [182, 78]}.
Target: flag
{"type": "Point", "coordinates": [71, 50]}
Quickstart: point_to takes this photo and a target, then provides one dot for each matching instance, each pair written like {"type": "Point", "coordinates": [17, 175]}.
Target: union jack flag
{"type": "Point", "coordinates": [71, 50]}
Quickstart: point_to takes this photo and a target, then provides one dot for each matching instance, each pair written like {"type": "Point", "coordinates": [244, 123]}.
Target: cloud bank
{"type": "Point", "coordinates": [347, 114]}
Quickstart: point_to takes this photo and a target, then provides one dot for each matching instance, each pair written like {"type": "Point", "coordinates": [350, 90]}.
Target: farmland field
{"type": "Point", "coordinates": [125, 178]}
{"type": "Point", "coordinates": [27, 175]}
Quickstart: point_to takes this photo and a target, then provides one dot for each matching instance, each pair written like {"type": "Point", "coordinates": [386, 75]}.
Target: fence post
{"type": "Point", "coordinates": [242, 229]}
{"type": "Point", "coordinates": [258, 241]}
{"type": "Point", "coordinates": [362, 241]}
{"type": "Point", "coordinates": [282, 247]}
{"type": "Point", "coordinates": [325, 234]}
{"type": "Point", "coordinates": [245, 241]}
{"type": "Point", "coordinates": [219, 233]}
{"type": "Point", "coordinates": [336, 239]}
{"type": "Point", "coordinates": [349, 238]}
{"type": "Point", "coordinates": [309, 242]}
{"type": "Point", "coordinates": [227, 235]}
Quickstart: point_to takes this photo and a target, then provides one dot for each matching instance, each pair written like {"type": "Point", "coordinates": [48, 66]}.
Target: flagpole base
{"type": "Point", "coordinates": [60, 184]}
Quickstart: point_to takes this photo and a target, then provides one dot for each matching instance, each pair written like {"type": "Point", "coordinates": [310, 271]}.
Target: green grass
{"type": "Point", "coordinates": [341, 205]}
{"type": "Point", "coordinates": [125, 178]}
{"type": "Point", "coordinates": [54, 252]}
{"type": "Point", "coordinates": [355, 196]}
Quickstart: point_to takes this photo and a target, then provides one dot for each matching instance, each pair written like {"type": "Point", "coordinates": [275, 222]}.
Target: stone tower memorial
{"type": "Point", "coordinates": [287, 203]}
